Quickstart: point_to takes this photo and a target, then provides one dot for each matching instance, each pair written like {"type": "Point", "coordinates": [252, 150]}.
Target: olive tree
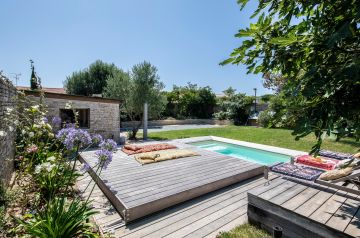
{"type": "Point", "coordinates": [135, 88]}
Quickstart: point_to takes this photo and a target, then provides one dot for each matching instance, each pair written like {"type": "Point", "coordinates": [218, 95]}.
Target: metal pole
{"type": "Point", "coordinates": [145, 121]}
{"type": "Point", "coordinates": [255, 101]}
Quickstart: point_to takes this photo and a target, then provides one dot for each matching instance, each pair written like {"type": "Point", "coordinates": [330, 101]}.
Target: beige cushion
{"type": "Point", "coordinates": [357, 155]}
{"type": "Point", "coordinates": [336, 174]}
{"type": "Point", "coordinates": [156, 156]}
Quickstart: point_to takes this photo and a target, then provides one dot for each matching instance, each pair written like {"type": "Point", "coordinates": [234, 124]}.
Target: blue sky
{"type": "Point", "coordinates": [185, 39]}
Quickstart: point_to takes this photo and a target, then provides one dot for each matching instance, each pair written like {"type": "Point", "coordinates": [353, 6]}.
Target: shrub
{"type": "Point", "coordinates": [47, 177]}
{"type": "Point", "coordinates": [190, 101]}
{"type": "Point", "coordinates": [61, 220]}
{"type": "Point", "coordinates": [265, 118]}
{"type": "Point", "coordinates": [234, 107]}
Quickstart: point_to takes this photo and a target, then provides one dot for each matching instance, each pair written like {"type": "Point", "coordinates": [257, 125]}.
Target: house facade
{"type": "Point", "coordinates": [95, 114]}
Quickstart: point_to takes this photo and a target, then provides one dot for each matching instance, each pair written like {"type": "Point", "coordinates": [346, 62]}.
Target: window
{"type": "Point", "coordinates": [67, 116]}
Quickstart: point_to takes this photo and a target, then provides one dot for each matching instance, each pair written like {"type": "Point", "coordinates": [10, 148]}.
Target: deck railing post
{"type": "Point", "coordinates": [277, 232]}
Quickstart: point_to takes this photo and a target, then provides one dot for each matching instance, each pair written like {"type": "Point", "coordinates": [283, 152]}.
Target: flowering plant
{"type": "Point", "coordinates": [48, 163]}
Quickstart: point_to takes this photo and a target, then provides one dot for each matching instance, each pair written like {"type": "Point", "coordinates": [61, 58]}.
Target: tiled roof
{"type": "Point", "coordinates": [48, 90]}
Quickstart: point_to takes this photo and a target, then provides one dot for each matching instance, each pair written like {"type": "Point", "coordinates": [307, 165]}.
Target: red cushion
{"type": "Point", "coordinates": [318, 162]}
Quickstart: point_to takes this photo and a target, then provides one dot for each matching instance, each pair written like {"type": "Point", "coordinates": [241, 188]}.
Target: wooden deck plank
{"type": "Point", "coordinates": [186, 187]}
{"type": "Point", "coordinates": [239, 206]}
{"type": "Point", "coordinates": [268, 214]}
{"type": "Point", "coordinates": [315, 202]}
{"type": "Point", "coordinates": [353, 227]}
{"type": "Point", "coordinates": [218, 222]}
{"type": "Point", "coordinates": [233, 202]}
{"type": "Point", "coordinates": [145, 182]}
{"type": "Point", "coordinates": [300, 199]}
{"type": "Point", "coordinates": [277, 190]}
{"type": "Point", "coordinates": [176, 222]}
{"type": "Point", "coordinates": [153, 223]}
{"type": "Point", "coordinates": [204, 200]}
{"type": "Point", "coordinates": [187, 183]}
{"type": "Point", "coordinates": [292, 192]}
{"type": "Point", "coordinates": [343, 216]}
{"type": "Point", "coordinates": [328, 208]}
{"type": "Point", "coordinates": [228, 226]}
{"type": "Point", "coordinates": [165, 167]}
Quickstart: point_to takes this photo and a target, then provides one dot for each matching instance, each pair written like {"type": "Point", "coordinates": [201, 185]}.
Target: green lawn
{"type": "Point", "coordinates": [275, 137]}
{"type": "Point", "coordinates": [245, 231]}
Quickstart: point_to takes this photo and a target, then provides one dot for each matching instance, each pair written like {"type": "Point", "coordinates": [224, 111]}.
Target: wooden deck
{"type": "Point", "coordinates": [137, 190]}
{"type": "Point", "coordinates": [204, 216]}
{"type": "Point", "coordinates": [305, 210]}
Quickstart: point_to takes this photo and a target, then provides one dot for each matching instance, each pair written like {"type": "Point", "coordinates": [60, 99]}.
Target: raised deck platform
{"type": "Point", "coordinates": [305, 210]}
{"type": "Point", "coordinates": [137, 190]}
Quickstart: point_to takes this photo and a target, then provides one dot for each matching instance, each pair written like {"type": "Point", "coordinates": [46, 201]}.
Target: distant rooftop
{"type": "Point", "coordinates": [48, 90]}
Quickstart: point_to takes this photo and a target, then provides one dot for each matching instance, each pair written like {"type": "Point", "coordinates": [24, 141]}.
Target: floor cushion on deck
{"type": "Point", "coordinates": [134, 149]}
{"type": "Point", "coordinates": [335, 155]}
{"type": "Point", "coordinates": [157, 156]}
{"type": "Point", "coordinates": [318, 162]}
{"type": "Point", "coordinates": [296, 171]}
{"type": "Point", "coordinates": [336, 174]}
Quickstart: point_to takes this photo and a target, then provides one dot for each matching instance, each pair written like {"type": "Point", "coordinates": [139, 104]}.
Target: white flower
{"type": "Point", "coordinates": [31, 134]}
{"type": "Point", "coordinates": [38, 169]}
{"type": "Point", "coordinates": [8, 109]}
{"type": "Point", "coordinates": [35, 107]}
{"type": "Point", "coordinates": [23, 132]}
{"type": "Point", "coordinates": [11, 128]}
{"type": "Point", "coordinates": [47, 166]}
{"type": "Point", "coordinates": [51, 159]}
{"type": "Point", "coordinates": [3, 133]}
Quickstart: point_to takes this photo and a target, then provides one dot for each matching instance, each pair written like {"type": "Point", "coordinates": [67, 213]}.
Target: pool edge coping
{"type": "Point", "coordinates": [269, 148]}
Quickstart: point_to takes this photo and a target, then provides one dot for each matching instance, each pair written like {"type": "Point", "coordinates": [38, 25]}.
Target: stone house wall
{"type": "Point", "coordinates": [7, 144]}
{"type": "Point", "coordinates": [104, 116]}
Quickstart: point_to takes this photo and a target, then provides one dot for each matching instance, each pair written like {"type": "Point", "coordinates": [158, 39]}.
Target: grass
{"type": "Point", "coordinates": [245, 231]}
{"type": "Point", "coordinates": [274, 137]}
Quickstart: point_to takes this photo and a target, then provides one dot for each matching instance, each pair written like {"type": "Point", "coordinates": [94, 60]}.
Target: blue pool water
{"type": "Point", "coordinates": [242, 152]}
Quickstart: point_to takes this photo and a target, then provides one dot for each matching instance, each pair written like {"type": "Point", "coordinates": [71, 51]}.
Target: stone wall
{"type": "Point", "coordinates": [154, 123]}
{"type": "Point", "coordinates": [7, 143]}
{"type": "Point", "coordinates": [104, 117]}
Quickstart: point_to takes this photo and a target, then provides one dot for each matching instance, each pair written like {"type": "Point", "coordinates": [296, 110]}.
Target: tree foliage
{"type": "Point", "coordinates": [234, 106]}
{"type": "Point", "coordinates": [141, 85]}
{"type": "Point", "coordinates": [190, 101]}
{"type": "Point", "coordinates": [315, 45]}
{"type": "Point", "coordinates": [91, 80]}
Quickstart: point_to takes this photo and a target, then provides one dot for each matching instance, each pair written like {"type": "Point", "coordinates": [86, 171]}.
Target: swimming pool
{"type": "Point", "coordinates": [242, 152]}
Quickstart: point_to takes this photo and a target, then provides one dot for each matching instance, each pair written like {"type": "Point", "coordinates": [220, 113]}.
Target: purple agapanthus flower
{"type": "Point", "coordinates": [108, 144]}
{"type": "Point", "coordinates": [104, 157]}
{"type": "Point", "coordinates": [77, 137]}
{"type": "Point", "coordinates": [62, 134]}
{"type": "Point", "coordinates": [46, 120]}
{"type": "Point", "coordinates": [72, 137]}
{"type": "Point", "coordinates": [96, 139]}
{"type": "Point", "coordinates": [56, 121]}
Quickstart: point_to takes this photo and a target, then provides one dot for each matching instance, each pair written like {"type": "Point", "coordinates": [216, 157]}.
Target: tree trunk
{"type": "Point", "coordinates": [134, 131]}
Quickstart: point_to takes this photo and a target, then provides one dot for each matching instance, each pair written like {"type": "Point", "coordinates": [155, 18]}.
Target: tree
{"type": "Point", "coordinates": [315, 45]}
{"type": "Point", "coordinates": [91, 80]}
{"type": "Point", "coordinates": [141, 85]}
{"type": "Point", "coordinates": [191, 101]}
{"type": "Point", "coordinates": [234, 106]}
{"type": "Point", "coordinates": [35, 82]}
